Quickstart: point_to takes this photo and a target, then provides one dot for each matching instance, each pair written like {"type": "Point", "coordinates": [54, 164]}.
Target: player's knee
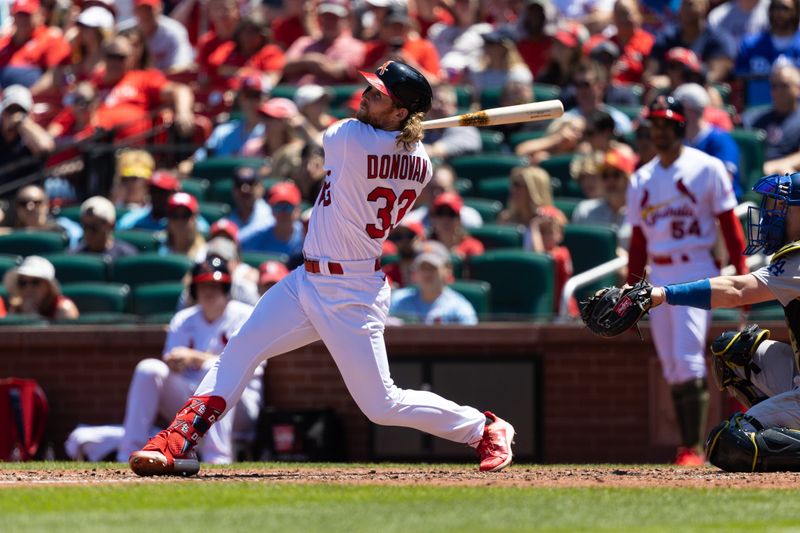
{"type": "Point", "coordinates": [732, 362]}
{"type": "Point", "coordinates": [151, 368]}
{"type": "Point", "coordinates": [731, 448]}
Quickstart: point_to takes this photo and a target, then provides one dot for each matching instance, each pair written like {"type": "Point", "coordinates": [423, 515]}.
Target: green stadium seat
{"type": "Point", "coordinates": [545, 91]}
{"type": "Point", "coordinates": [158, 318]}
{"type": "Point", "coordinates": [256, 258]}
{"type": "Point", "coordinates": [491, 141]}
{"type": "Point", "coordinates": [222, 190]}
{"type": "Point", "coordinates": [499, 235]}
{"type": "Point", "coordinates": [156, 298]}
{"type": "Point", "coordinates": [589, 246]}
{"type": "Point", "coordinates": [463, 96]}
{"type": "Point", "coordinates": [26, 242]}
{"type": "Point", "coordinates": [116, 319]}
{"type": "Point", "coordinates": [494, 189]}
{"type": "Point", "coordinates": [522, 282]}
{"type": "Point", "coordinates": [283, 91]}
{"type": "Point", "coordinates": [79, 267]}
{"type": "Point", "coordinates": [150, 268]}
{"type": "Point", "coordinates": [7, 262]}
{"type": "Point", "coordinates": [762, 312]}
{"type": "Point", "coordinates": [488, 209]}
{"type": "Point", "coordinates": [340, 94]}
{"type": "Point", "coordinates": [213, 211]}
{"type": "Point", "coordinates": [752, 153]}
{"type": "Point", "coordinates": [73, 212]}
{"type": "Point", "coordinates": [196, 187]}
{"type": "Point", "coordinates": [490, 98]}
{"type": "Point", "coordinates": [223, 167]}
{"type": "Point", "coordinates": [479, 294]}
{"type": "Point", "coordinates": [483, 166]}
{"type": "Point", "coordinates": [567, 205]}
{"type": "Point", "coordinates": [22, 320]}
{"type": "Point", "coordinates": [558, 167]}
{"type": "Point", "coordinates": [515, 139]}
{"type": "Point", "coordinates": [341, 112]}
{"type": "Point", "coordinates": [143, 240]}
{"type": "Point", "coordinates": [98, 297]}
{"type": "Point", "coordinates": [464, 187]}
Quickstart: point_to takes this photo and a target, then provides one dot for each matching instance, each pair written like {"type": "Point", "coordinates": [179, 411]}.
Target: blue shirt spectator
{"type": "Point", "coordinates": [251, 213]}
{"type": "Point", "coordinates": [432, 301]}
{"type": "Point", "coordinates": [287, 234]}
{"type": "Point", "coordinates": [229, 139]}
{"type": "Point", "coordinates": [153, 217]}
{"type": "Point", "coordinates": [269, 241]}
{"type": "Point", "coordinates": [758, 52]}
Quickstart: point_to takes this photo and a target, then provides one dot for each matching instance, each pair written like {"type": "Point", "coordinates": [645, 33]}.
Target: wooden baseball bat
{"type": "Point", "coordinates": [501, 115]}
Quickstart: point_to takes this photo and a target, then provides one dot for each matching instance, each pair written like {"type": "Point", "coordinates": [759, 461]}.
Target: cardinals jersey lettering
{"type": "Point", "coordinates": [676, 207]}
{"type": "Point", "coordinates": [371, 184]}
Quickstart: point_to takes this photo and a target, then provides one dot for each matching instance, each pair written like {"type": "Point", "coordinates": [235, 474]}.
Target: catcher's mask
{"type": "Point", "coordinates": [766, 224]}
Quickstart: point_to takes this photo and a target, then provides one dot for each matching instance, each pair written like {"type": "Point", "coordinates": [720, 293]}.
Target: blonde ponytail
{"type": "Point", "coordinates": [411, 132]}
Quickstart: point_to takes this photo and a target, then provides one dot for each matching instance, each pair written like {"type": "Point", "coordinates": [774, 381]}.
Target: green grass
{"type": "Point", "coordinates": [196, 506]}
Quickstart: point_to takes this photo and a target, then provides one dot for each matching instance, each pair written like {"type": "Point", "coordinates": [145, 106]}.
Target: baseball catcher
{"type": "Point", "coordinates": [760, 373]}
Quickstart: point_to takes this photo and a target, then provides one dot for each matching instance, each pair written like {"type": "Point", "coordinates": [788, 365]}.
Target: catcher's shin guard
{"type": "Point", "coordinates": [732, 351]}
{"type": "Point", "coordinates": [170, 451]}
{"type": "Point", "coordinates": [691, 410]}
{"type": "Point", "coordinates": [734, 449]}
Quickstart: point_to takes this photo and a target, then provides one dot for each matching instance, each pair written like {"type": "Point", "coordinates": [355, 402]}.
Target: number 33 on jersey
{"type": "Point", "coordinates": [372, 183]}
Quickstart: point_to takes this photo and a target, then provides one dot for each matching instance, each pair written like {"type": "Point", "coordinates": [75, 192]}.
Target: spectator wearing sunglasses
{"type": "Point", "coordinates": [32, 211]}
{"type": "Point", "coordinates": [98, 217]}
{"type": "Point", "coordinates": [407, 238]}
{"type": "Point", "coordinates": [20, 137]}
{"type": "Point", "coordinates": [183, 236]}
{"type": "Point", "coordinates": [286, 235]}
{"type": "Point", "coordinates": [609, 209]}
{"type": "Point", "coordinates": [251, 213]}
{"type": "Point", "coordinates": [33, 290]}
{"type": "Point", "coordinates": [448, 229]}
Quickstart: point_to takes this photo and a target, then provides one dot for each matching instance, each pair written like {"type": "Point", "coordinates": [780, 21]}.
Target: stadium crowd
{"type": "Point", "coordinates": [143, 132]}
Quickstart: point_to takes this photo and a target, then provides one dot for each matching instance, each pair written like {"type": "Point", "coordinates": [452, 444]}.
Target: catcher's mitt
{"type": "Point", "coordinates": [613, 310]}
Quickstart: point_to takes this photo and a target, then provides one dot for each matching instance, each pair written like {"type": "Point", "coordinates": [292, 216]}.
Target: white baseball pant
{"type": "Point", "coordinates": [348, 313]}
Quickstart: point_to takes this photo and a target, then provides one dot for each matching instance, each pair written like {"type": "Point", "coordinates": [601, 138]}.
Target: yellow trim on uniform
{"type": "Point", "coordinates": [716, 438]}
{"type": "Point", "coordinates": [734, 339]}
{"type": "Point", "coordinates": [755, 455]}
{"type": "Point", "coordinates": [758, 340]}
{"type": "Point", "coordinates": [789, 248]}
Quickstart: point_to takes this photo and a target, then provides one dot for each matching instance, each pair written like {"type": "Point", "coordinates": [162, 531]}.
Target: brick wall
{"type": "Point", "coordinates": [602, 400]}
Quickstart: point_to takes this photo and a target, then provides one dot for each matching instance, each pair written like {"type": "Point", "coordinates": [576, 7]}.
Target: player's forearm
{"type": "Point", "coordinates": [714, 293]}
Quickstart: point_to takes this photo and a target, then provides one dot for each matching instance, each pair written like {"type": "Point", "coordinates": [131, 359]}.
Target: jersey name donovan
{"type": "Point", "coordinates": [397, 167]}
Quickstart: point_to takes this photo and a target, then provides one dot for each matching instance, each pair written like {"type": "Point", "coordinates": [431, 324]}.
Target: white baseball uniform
{"type": "Point", "coordinates": [156, 390]}
{"type": "Point", "coordinates": [339, 295]}
{"type": "Point", "coordinates": [676, 209]}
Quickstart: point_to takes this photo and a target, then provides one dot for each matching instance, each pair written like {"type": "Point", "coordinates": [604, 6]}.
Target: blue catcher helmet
{"type": "Point", "coordinates": [766, 224]}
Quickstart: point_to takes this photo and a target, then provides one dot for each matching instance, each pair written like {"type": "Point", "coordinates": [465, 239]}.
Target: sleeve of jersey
{"type": "Point", "coordinates": [176, 333]}
{"type": "Point", "coordinates": [734, 239]}
{"type": "Point", "coordinates": [637, 255]}
{"type": "Point", "coordinates": [333, 141]}
{"type": "Point", "coordinates": [782, 278]}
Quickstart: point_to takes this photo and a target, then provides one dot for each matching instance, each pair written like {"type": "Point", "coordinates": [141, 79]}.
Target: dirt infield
{"type": "Point", "coordinates": [517, 476]}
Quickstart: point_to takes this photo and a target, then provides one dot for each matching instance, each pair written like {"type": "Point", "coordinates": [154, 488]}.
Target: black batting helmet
{"type": "Point", "coordinates": [213, 270]}
{"type": "Point", "coordinates": [405, 85]}
{"type": "Point", "coordinates": [669, 108]}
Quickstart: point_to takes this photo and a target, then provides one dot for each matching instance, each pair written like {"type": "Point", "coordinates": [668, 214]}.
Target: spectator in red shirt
{"type": "Point", "coordinates": [94, 28]}
{"type": "Point", "coordinates": [332, 58]}
{"type": "Point", "coordinates": [290, 25]}
{"type": "Point", "coordinates": [128, 97]}
{"type": "Point", "coordinates": [224, 16]}
{"type": "Point", "coordinates": [534, 43]}
{"type": "Point", "coordinates": [249, 50]}
{"type": "Point", "coordinates": [565, 55]}
{"type": "Point", "coordinates": [447, 227]}
{"type": "Point", "coordinates": [632, 40]}
{"type": "Point", "coordinates": [29, 48]}
{"type": "Point", "coordinates": [396, 41]}
{"type": "Point", "coordinates": [74, 122]}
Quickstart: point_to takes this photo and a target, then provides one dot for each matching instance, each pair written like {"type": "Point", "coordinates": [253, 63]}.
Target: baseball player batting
{"type": "Point", "coordinates": [760, 373]}
{"type": "Point", "coordinates": [376, 167]}
{"type": "Point", "coordinates": [673, 204]}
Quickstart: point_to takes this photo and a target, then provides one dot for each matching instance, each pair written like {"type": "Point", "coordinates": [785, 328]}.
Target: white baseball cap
{"type": "Point", "coordinates": [100, 207]}
{"type": "Point", "coordinates": [16, 95]}
{"type": "Point", "coordinates": [308, 94]}
{"type": "Point", "coordinates": [96, 17]}
{"type": "Point", "coordinates": [33, 266]}
{"type": "Point", "coordinates": [692, 95]}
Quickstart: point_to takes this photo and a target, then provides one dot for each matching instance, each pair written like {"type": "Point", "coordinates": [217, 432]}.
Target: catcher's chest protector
{"type": "Point", "coordinates": [791, 312]}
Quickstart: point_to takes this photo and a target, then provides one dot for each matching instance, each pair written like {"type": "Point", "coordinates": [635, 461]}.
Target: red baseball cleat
{"type": "Point", "coordinates": [495, 446]}
{"type": "Point", "coordinates": [156, 463]}
{"type": "Point", "coordinates": [689, 457]}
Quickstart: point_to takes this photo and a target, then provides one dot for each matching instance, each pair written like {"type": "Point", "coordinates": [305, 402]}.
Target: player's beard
{"type": "Point", "coordinates": [363, 115]}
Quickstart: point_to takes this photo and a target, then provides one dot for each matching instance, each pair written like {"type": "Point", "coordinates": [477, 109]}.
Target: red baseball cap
{"type": "Point", "coordinates": [568, 39]}
{"type": "Point", "coordinates": [284, 192]}
{"type": "Point", "coordinates": [165, 180]}
{"type": "Point", "coordinates": [149, 3]}
{"type": "Point", "coordinates": [252, 82]}
{"type": "Point", "coordinates": [25, 6]}
{"type": "Point", "coordinates": [271, 272]}
{"type": "Point", "coordinates": [620, 160]}
{"type": "Point", "coordinates": [449, 199]}
{"type": "Point", "coordinates": [685, 57]}
{"type": "Point", "coordinates": [225, 227]}
{"type": "Point", "coordinates": [551, 211]}
{"type": "Point", "coordinates": [279, 108]}
{"type": "Point", "coordinates": [183, 199]}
